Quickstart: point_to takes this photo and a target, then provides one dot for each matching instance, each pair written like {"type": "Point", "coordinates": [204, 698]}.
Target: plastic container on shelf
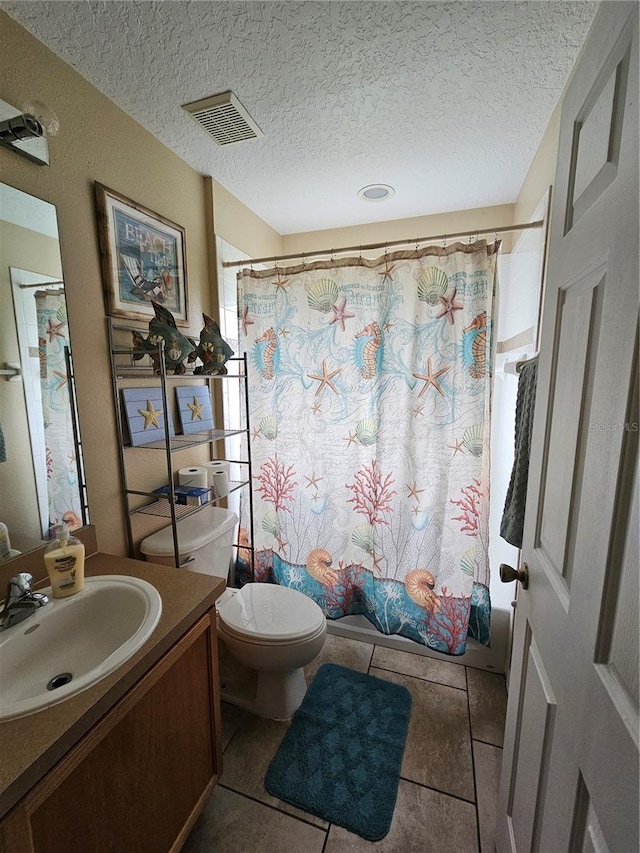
{"type": "Point", "coordinates": [205, 542]}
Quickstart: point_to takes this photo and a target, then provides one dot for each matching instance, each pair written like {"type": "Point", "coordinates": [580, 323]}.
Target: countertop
{"type": "Point", "coordinates": [30, 746]}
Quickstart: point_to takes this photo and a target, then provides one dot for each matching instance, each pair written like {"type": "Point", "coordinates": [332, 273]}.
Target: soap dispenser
{"type": "Point", "coordinates": [64, 562]}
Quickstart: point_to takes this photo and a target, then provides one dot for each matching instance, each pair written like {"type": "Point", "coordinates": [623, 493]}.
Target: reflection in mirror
{"type": "Point", "coordinates": [41, 482]}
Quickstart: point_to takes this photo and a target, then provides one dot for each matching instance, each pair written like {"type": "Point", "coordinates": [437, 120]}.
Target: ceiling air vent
{"type": "Point", "coordinates": [224, 118]}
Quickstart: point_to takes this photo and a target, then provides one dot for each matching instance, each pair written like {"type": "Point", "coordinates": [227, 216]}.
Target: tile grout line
{"type": "Point", "coordinates": [373, 651]}
{"type": "Point", "coordinates": [273, 807]}
{"type": "Point", "coordinates": [488, 743]}
{"type": "Point", "coordinates": [438, 790]}
{"type": "Point", "coordinates": [473, 763]}
{"type": "Point", "coordinates": [420, 680]}
{"type": "Point", "coordinates": [419, 677]}
{"type": "Point", "coordinates": [235, 732]}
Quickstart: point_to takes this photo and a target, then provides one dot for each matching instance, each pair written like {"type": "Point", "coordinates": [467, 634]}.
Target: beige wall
{"type": "Point", "coordinates": [401, 229]}
{"type": "Point", "coordinates": [238, 225]}
{"type": "Point", "coordinates": [97, 142]}
{"type": "Point", "coordinates": [24, 249]}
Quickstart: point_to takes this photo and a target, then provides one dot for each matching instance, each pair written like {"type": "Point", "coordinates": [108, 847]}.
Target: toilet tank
{"type": "Point", "coordinates": [205, 541]}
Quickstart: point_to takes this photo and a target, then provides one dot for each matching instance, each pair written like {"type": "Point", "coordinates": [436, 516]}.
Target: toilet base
{"type": "Point", "coordinates": [280, 694]}
{"type": "Point", "coordinates": [276, 695]}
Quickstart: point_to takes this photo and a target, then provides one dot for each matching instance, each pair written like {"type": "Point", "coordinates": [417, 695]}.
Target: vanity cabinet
{"type": "Point", "coordinates": [138, 780]}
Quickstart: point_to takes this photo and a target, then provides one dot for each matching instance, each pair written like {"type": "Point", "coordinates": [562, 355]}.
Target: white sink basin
{"type": "Point", "coordinates": [71, 643]}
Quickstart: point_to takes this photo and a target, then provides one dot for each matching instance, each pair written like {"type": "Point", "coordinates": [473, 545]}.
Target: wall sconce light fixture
{"type": "Point", "coordinates": [26, 131]}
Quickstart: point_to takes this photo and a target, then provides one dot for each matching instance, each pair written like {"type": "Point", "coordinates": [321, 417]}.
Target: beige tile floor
{"type": "Point", "coordinates": [449, 779]}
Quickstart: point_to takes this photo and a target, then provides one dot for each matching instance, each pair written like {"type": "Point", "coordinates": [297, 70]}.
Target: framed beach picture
{"type": "Point", "coordinates": [143, 258]}
{"type": "Point", "coordinates": [144, 414]}
{"type": "Point", "coordinates": [194, 408]}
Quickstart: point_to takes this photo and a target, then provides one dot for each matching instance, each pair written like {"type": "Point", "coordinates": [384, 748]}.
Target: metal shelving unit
{"type": "Point", "coordinates": [122, 368]}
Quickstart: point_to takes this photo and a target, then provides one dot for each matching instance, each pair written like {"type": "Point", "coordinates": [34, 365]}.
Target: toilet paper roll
{"type": "Point", "coordinates": [197, 476]}
{"type": "Point", "coordinates": [217, 465]}
{"type": "Point", "coordinates": [221, 484]}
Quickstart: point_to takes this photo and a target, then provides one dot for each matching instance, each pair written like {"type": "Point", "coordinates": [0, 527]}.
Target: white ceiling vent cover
{"type": "Point", "coordinates": [224, 118]}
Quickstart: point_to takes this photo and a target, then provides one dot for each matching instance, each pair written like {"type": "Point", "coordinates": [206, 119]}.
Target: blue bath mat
{"type": "Point", "coordinates": [340, 759]}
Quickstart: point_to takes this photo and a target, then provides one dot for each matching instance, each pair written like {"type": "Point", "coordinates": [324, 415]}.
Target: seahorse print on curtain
{"type": "Point", "coordinates": [369, 397]}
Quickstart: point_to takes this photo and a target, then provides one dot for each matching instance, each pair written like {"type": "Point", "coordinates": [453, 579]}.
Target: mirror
{"type": "Point", "coordinates": [41, 475]}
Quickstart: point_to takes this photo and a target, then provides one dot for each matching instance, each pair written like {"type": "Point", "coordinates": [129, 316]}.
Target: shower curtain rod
{"type": "Point", "coordinates": [305, 256]}
{"type": "Point", "coordinates": [41, 284]}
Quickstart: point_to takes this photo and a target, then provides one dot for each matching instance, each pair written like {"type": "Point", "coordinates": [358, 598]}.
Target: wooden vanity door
{"type": "Point", "coordinates": [139, 780]}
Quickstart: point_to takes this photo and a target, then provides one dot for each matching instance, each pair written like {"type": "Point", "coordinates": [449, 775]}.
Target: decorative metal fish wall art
{"type": "Point", "coordinates": [213, 351]}
{"type": "Point", "coordinates": [176, 345]}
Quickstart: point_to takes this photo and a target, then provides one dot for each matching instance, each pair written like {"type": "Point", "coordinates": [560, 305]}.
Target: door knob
{"type": "Point", "coordinates": [507, 574]}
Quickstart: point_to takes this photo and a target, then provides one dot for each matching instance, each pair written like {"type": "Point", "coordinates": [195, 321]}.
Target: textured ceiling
{"type": "Point", "coordinates": [447, 102]}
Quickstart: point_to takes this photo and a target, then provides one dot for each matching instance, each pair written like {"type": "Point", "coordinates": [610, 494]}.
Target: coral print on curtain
{"type": "Point", "coordinates": [369, 389]}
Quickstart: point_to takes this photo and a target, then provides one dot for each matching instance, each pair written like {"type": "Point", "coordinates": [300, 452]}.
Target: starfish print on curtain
{"type": "Point", "coordinates": [371, 454]}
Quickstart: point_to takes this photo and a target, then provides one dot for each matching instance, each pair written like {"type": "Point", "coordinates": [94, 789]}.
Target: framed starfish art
{"type": "Point", "coordinates": [194, 408]}
{"type": "Point", "coordinates": [144, 414]}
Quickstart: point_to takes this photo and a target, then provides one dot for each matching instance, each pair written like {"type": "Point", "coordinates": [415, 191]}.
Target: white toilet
{"type": "Point", "coordinates": [267, 635]}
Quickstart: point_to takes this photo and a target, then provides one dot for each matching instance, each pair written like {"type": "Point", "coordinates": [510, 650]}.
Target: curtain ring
{"type": "Point", "coordinates": [479, 252]}
{"type": "Point", "coordinates": [417, 241]}
{"type": "Point", "coordinates": [360, 255]}
{"type": "Point", "coordinates": [332, 259]}
{"type": "Point", "coordinates": [444, 258]}
{"type": "Point", "coordinates": [304, 263]}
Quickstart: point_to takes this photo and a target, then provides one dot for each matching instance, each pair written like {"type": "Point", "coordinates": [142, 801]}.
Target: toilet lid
{"type": "Point", "coordinates": [269, 612]}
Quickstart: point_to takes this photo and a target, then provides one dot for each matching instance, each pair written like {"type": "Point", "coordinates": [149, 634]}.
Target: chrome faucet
{"type": "Point", "coordinates": [20, 601]}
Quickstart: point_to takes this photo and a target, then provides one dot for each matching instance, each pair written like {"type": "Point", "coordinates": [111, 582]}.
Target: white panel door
{"type": "Point", "coordinates": [570, 763]}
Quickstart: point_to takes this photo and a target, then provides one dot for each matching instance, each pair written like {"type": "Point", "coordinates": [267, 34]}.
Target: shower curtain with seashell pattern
{"type": "Point", "coordinates": [369, 395]}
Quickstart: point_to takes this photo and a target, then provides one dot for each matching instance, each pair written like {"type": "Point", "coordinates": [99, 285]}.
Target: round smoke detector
{"type": "Point", "coordinates": [376, 192]}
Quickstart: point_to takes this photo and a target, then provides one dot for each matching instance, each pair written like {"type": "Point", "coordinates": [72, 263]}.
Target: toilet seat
{"type": "Point", "coordinates": [251, 639]}
{"type": "Point", "coordinates": [268, 614]}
